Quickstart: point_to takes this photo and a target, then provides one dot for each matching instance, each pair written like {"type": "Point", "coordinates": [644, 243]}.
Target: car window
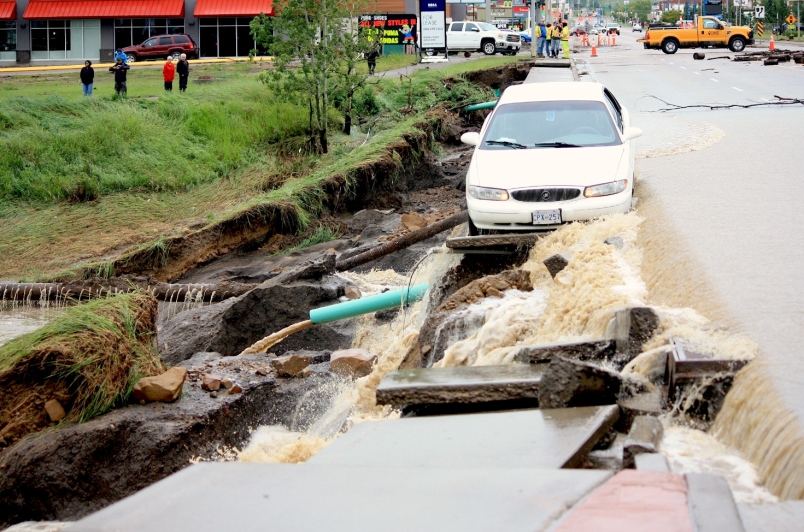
{"type": "Point", "coordinates": [180, 39]}
{"type": "Point", "coordinates": [486, 27]}
{"type": "Point", "coordinates": [458, 26]}
{"type": "Point", "coordinates": [165, 41]}
{"type": "Point", "coordinates": [615, 108]}
{"type": "Point", "coordinates": [149, 42]}
{"type": "Point", "coordinates": [710, 24]}
{"type": "Point", "coordinates": [576, 122]}
{"type": "Point", "coordinates": [471, 27]}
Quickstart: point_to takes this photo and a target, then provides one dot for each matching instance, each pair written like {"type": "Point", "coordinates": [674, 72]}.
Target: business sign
{"type": "Point", "coordinates": [433, 24]}
{"type": "Point", "coordinates": [389, 29]}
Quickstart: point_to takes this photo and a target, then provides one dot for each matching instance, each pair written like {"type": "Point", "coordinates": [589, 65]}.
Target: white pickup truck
{"type": "Point", "coordinates": [469, 36]}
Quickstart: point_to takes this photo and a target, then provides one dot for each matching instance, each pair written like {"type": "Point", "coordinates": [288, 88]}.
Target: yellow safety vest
{"type": "Point", "coordinates": [556, 32]}
{"type": "Point", "coordinates": [565, 33]}
{"type": "Point", "coordinates": [549, 32]}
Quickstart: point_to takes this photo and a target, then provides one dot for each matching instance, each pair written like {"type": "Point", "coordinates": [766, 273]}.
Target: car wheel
{"type": "Point", "coordinates": [175, 55]}
{"type": "Point", "coordinates": [473, 230]}
{"type": "Point", "coordinates": [489, 48]}
{"type": "Point", "coordinates": [670, 46]}
{"type": "Point", "coordinates": [737, 44]}
{"type": "Point", "coordinates": [131, 58]}
{"type": "Point", "coordinates": [429, 53]}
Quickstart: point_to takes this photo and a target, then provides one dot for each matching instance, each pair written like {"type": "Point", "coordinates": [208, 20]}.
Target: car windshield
{"type": "Point", "coordinates": [557, 124]}
{"type": "Point", "coordinates": [486, 27]}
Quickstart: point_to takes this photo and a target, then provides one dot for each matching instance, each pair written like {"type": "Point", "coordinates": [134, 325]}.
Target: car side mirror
{"type": "Point", "coordinates": [630, 133]}
{"type": "Point", "coordinates": [476, 30]}
{"type": "Point", "coordinates": [472, 138]}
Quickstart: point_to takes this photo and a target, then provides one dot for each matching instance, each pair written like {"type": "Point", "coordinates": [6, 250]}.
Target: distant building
{"type": "Point", "coordinates": [39, 30]}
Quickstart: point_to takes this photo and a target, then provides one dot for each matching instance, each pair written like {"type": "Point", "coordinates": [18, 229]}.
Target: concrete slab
{"type": "Point", "coordinates": [786, 516]}
{"type": "Point", "coordinates": [462, 384]}
{"type": "Point", "coordinates": [526, 438]}
{"type": "Point", "coordinates": [585, 350]}
{"type": "Point", "coordinates": [279, 497]}
{"type": "Point", "coordinates": [651, 462]}
{"type": "Point", "coordinates": [711, 504]}
{"type": "Point", "coordinates": [633, 500]}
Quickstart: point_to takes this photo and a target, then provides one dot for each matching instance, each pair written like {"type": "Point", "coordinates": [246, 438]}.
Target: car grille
{"type": "Point", "coordinates": [540, 195]}
{"type": "Point", "coordinates": [512, 38]}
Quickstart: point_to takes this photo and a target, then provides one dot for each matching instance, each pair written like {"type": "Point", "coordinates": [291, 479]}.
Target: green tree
{"type": "Point", "coordinates": [262, 31]}
{"type": "Point", "coordinates": [640, 8]}
{"type": "Point", "coordinates": [672, 16]}
{"type": "Point", "coordinates": [350, 46]}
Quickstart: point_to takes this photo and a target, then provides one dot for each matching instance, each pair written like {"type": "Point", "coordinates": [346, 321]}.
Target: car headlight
{"type": "Point", "coordinates": [605, 189]}
{"type": "Point", "coordinates": [483, 193]}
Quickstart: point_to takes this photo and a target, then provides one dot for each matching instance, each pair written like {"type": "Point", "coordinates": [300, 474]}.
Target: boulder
{"type": "Point", "coordinates": [55, 412]}
{"type": "Point", "coordinates": [233, 325]}
{"type": "Point", "coordinates": [352, 363]}
{"type": "Point", "coordinates": [568, 383]}
{"type": "Point", "coordinates": [291, 365]}
{"type": "Point", "coordinates": [163, 388]}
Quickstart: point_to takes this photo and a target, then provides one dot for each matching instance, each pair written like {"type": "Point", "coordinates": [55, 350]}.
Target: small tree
{"type": "Point", "coordinates": [353, 44]}
{"type": "Point", "coordinates": [672, 16]}
{"type": "Point", "coordinates": [262, 31]}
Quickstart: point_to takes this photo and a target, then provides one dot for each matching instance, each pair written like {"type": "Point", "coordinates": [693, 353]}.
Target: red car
{"type": "Point", "coordinates": [578, 31]}
{"type": "Point", "coordinates": [163, 46]}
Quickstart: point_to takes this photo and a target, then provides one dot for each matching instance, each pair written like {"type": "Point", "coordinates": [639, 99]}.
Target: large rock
{"type": "Point", "coordinates": [291, 365]}
{"type": "Point", "coordinates": [163, 388]}
{"type": "Point", "coordinates": [352, 363]}
{"type": "Point", "coordinates": [233, 325]}
{"type": "Point", "coordinates": [74, 470]}
{"type": "Point", "coordinates": [568, 383]}
{"type": "Point", "coordinates": [55, 412]}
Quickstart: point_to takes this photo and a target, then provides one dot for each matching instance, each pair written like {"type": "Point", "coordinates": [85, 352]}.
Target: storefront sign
{"type": "Point", "coordinates": [389, 29]}
{"type": "Point", "coordinates": [433, 24]}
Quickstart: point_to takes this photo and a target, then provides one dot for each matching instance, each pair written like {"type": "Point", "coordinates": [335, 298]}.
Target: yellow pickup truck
{"type": "Point", "coordinates": [709, 32]}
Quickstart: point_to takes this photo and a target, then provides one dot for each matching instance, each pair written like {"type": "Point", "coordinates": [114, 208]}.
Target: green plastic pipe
{"type": "Point", "coordinates": [364, 305]}
{"type": "Point", "coordinates": [479, 106]}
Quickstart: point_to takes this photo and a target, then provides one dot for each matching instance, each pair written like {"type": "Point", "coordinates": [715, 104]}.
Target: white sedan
{"type": "Point", "coordinates": [550, 153]}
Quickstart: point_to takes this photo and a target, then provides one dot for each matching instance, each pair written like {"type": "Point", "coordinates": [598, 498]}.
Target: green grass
{"type": "Point", "coordinates": [322, 234]}
{"type": "Point", "coordinates": [99, 349]}
{"type": "Point", "coordinates": [236, 133]}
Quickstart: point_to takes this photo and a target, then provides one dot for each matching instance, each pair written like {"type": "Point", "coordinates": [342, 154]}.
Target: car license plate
{"type": "Point", "coordinates": [547, 217]}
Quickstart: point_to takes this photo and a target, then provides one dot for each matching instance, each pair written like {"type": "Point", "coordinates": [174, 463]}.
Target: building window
{"type": "Point", "coordinates": [131, 31]}
{"type": "Point", "coordinates": [65, 39]}
{"type": "Point", "coordinates": [8, 40]}
{"type": "Point", "coordinates": [226, 37]}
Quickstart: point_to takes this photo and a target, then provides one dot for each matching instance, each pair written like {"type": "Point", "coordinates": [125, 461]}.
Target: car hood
{"type": "Point", "coordinates": [511, 169]}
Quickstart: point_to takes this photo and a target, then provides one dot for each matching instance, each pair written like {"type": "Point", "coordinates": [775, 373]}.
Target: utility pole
{"type": "Point", "coordinates": [534, 21]}
{"type": "Point", "coordinates": [488, 11]}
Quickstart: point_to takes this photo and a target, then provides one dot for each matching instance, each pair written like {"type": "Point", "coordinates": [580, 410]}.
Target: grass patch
{"type": "Point", "coordinates": [88, 359]}
{"type": "Point", "coordinates": [38, 239]}
{"type": "Point", "coordinates": [322, 234]}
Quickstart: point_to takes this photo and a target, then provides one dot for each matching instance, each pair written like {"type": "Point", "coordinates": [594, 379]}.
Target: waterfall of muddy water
{"type": "Point", "coordinates": [350, 402]}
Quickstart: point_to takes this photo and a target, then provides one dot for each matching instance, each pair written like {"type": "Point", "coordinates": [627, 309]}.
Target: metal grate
{"type": "Point", "coordinates": [540, 195]}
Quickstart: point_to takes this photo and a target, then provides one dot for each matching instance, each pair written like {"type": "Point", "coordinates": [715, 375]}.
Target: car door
{"type": "Point", "coordinates": [147, 48]}
{"type": "Point", "coordinates": [163, 46]}
{"type": "Point", "coordinates": [712, 32]}
{"type": "Point", "coordinates": [471, 36]}
{"type": "Point", "coordinates": [454, 36]}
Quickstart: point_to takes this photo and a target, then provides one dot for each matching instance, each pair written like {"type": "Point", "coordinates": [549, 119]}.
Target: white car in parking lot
{"type": "Point", "coordinates": [548, 154]}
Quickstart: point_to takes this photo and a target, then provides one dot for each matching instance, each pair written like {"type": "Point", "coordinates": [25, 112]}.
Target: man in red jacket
{"type": "Point", "coordinates": [169, 74]}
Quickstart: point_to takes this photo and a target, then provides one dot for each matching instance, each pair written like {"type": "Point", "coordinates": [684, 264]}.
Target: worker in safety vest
{"type": "Point", "coordinates": [556, 40]}
{"type": "Point", "coordinates": [565, 39]}
{"type": "Point", "coordinates": [548, 36]}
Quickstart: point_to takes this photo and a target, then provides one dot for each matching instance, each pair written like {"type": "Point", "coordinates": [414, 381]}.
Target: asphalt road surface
{"type": "Point", "coordinates": [728, 184]}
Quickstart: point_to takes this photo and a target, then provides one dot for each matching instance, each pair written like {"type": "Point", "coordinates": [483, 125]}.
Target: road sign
{"type": "Point", "coordinates": [760, 29]}
{"type": "Point", "coordinates": [791, 19]}
{"type": "Point", "coordinates": [759, 11]}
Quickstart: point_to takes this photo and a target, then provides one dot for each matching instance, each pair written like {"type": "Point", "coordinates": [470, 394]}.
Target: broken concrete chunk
{"type": "Point", "coordinates": [352, 363]}
{"type": "Point", "coordinates": [616, 241]}
{"type": "Point", "coordinates": [630, 329]}
{"type": "Point", "coordinates": [163, 388]}
{"type": "Point", "coordinates": [651, 462]}
{"type": "Point", "coordinates": [211, 382]}
{"type": "Point", "coordinates": [557, 262]}
{"type": "Point", "coordinates": [644, 437]}
{"type": "Point", "coordinates": [413, 221]}
{"type": "Point", "coordinates": [641, 404]}
{"type": "Point", "coordinates": [54, 410]}
{"type": "Point", "coordinates": [352, 292]}
{"type": "Point", "coordinates": [291, 365]}
{"type": "Point", "coordinates": [568, 383]}
{"type": "Point", "coordinates": [586, 350]}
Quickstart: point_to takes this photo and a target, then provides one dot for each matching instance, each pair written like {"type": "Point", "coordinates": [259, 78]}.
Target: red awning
{"type": "Point", "coordinates": [8, 10]}
{"type": "Point", "coordinates": [233, 8]}
{"type": "Point", "coordinates": [72, 9]}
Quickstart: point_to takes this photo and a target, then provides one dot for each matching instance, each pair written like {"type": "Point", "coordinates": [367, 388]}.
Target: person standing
{"type": "Point", "coordinates": [87, 78]}
{"type": "Point", "coordinates": [556, 40]}
{"type": "Point", "coordinates": [169, 74]}
{"type": "Point", "coordinates": [548, 36]}
{"type": "Point", "coordinates": [120, 69]}
{"type": "Point", "coordinates": [183, 70]}
{"type": "Point", "coordinates": [540, 42]}
{"type": "Point", "coordinates": [371, 60]}
{"type": "Point", "coordinates": [565, 39]}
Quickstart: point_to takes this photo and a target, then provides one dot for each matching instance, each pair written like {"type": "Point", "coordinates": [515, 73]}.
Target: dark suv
{"type": "Point", "coordinates": [163, 46]}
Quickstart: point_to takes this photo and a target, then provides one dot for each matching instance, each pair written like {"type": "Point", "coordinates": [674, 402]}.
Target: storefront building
{"type": "Point", "coordinates": [52, 30]}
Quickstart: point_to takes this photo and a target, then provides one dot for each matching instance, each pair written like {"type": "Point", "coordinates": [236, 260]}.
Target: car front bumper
{"type": "Point", "coordinates": [514, 215]}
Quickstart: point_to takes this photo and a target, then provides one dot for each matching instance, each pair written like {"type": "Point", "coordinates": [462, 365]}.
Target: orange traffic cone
{"type": "Point", "coordinates": [772, 44]}
{"type": "Point", "coordinates": [614, 39]}
{"type": "Point", "coordinates": [594, 50]}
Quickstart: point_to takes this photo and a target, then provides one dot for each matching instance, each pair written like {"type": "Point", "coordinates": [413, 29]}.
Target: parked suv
{"type": "Point", "coordinates": [163, 46]}
{"type": "Point", "coordinates": [613, 27]}
{"type": "Point", "coordinates": [469, 36]}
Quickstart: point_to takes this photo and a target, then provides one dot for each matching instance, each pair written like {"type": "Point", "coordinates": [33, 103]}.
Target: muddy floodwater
{"type": "Point", "coordinates": [18, 320]}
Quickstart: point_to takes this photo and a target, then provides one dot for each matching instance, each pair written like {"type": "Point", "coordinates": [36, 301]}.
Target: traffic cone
{"type": "Point", "coordinates": [614, 39]}
{"type": "Point", "coordinates": [594, 49]}
{"type": "Point", "coordinates": [772, 44]}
